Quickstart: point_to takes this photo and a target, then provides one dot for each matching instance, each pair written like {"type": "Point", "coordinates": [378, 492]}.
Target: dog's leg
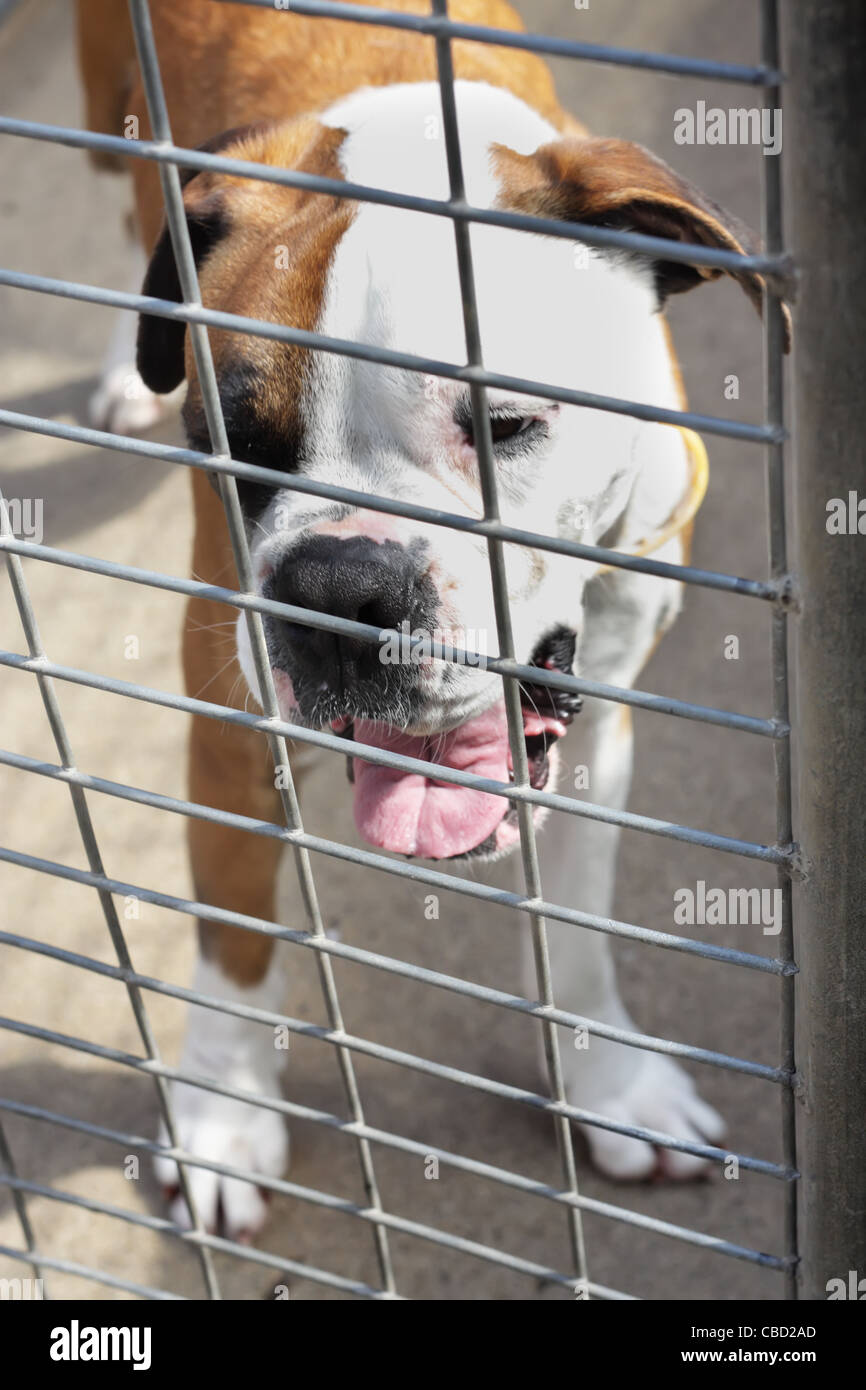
{"type": "Point", "coordinates": [229, 769]}
{"type": "Point", "coordinates": [578, 862]}
{"type": "Point", "coordinates": [122, 403]}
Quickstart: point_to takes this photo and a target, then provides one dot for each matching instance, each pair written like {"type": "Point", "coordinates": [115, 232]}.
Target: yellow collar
{"type": "Point", "coordinates": [686, 508]}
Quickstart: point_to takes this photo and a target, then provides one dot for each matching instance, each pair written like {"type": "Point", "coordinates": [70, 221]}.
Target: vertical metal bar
{"type": "Point", "coordinates": [18, 1201]}
{"type": "Point", "coordinates": [182, 246]}
{"type": "Point", "coordinates": [495, 551]}
{"type": "Point", "coordinates": [774, 406]}
{"type": "Point", "coordinates": [94, 859]}
{"type": "Point", "coordinates": [826, 60]}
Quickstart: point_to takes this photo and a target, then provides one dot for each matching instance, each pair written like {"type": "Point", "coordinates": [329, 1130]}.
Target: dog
{"type": "Point", "coordinates": [362, 104]}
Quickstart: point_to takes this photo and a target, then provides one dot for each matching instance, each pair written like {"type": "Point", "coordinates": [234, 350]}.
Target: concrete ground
{"type": "Point", "coordinates": [58, 217]}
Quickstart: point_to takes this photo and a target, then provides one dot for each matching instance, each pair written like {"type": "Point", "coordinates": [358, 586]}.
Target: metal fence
{"type": "Point", "coordinates": [776, 591]}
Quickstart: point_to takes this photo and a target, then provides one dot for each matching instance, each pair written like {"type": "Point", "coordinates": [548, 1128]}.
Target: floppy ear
{"type": "Point", "coordinates": [160, 358]}
{"type": "Point", "coordinates": [614, 183]}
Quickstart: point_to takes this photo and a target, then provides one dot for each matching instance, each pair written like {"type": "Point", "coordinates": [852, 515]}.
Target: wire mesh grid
{"type": "Point", "coordinates": [775, 266]}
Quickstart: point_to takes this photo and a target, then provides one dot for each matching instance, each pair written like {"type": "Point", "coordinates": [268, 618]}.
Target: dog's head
{"type": "Point", "coordinates": [549, 311]}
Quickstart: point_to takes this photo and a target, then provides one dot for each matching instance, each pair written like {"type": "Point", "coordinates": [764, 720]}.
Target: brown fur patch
{"type": "Point", "coordinates": [106, 57]}
{"type": "Point", "coordinates": [615, 183]}
{"type": "Point", "coordinates": [271, 264]}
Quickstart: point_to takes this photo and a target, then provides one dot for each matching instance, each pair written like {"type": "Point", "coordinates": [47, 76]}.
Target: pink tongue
{"type": "Point", "coordinates": [411, 814]}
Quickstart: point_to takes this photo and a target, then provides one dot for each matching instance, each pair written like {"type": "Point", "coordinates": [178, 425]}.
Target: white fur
{"type": "Point", "coordinates": [240, 1054]}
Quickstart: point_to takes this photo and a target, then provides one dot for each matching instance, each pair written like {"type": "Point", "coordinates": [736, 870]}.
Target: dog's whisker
{"type": "Point", "coordinates": [215, 676]}
{"type": "Point", "coordinates": [194, 626]}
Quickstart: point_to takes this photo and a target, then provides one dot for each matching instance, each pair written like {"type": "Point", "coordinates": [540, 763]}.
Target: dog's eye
{"type": "Point", "coordinates": [502, 428]}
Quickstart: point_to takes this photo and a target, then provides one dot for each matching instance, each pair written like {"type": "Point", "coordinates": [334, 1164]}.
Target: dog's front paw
{"type": "Point", "coordinates": [230, 1132]}
{"type": "Point", "coordinates": [660, 1096]}
{"type": "Point", "coordinates": [122, 404]}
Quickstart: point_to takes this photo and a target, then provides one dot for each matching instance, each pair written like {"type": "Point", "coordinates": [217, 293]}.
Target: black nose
{"type": "Point", "coordinates": [382, 584]}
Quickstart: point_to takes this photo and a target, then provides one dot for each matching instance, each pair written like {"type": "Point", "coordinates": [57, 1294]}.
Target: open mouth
{"type": "Point", "coordinates": [411, 814]}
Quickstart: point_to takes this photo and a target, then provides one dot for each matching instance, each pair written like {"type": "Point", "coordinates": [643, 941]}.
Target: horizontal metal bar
{"type": "Point", "coordinates": [672, 63]}
{"type": "Point", "coordinates": [403, 361]}
{"type": "Point", "coordinates": [504, 1176]}
{"type": "Point", "coordinates": [500, 999]}
{"type": "Point", "coordinates": [364, 632]}
{"type": "Point", "coordinates": [770, 590]}
{"type": "Point", "coordinates": [777, 267]}
{"type": "Point", "coordinates": [99, 1276]}
{"type": "Point", "coordinates": [405, 870]}
{"type": "Point", "coordinates": [345, 747]}
{"type": "Point", "coordinates": [339, 1038]}
{"type": "Point", "coordinates": [312, 1196]}
{"type": "Point", "coordinates": [164, 1226]}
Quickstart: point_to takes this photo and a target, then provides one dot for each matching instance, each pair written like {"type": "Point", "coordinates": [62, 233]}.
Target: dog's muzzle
{"type": "Point", "coordinates": [340, 680]}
